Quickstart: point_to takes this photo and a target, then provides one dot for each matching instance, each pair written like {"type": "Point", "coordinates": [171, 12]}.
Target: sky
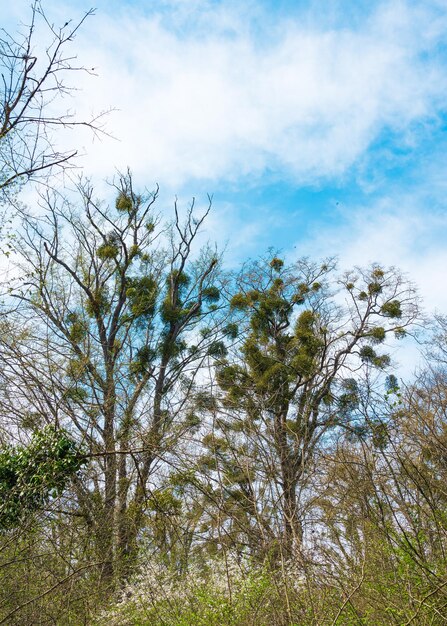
{"type": "Point", "coordinates": [317, 126]}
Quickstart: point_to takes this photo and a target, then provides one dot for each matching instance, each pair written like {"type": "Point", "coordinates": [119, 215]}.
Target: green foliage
{"type": "Point", "coordinates": [77, 327]}
{"type": "Point", "coordinates": [76, 369]}
{"type": "Point", "coordinates": [179, 278]}
{"type": "Point", "coordinates": [378, 273]}
{"type": "Point", "coordinates": [107, 251]}
{"type": "Point", "coordinates": [142, 295]}
{"type": "Point", "coordinates": [231, 330]}
{"type": "Point", "coordinates": [233, 592]}
{"type": "Point", "coordinates": [205, 401]}
{"type": "Point", "coordinates": [124, 203]}
{"type": "Point", "coordinates": [142, 362]}
{"type": "Point", "coordinates": [400, 333]}
{"type": "Point", "coordinates": [307, 334]}
{"type": "Point", "coordinates": [173, 309]}
{"type": "Point", "coordinates": [382, 361]}
{"type": "Point", "coordinates": [31, 475]}
{"type": "Point", "coordinates": [110, 248]}
{"type": "Point", "coordinates": [211, 294]}
{"type": "Point", "coordinates": [391, 384]}
{"type": "Point", "coordinates": [192, 420]}
{"type": "Point", "coordinates": [164, 501]}
{"type": "Point", "coordinates": [217, 594]}
{"type": "Point", "coordinates": [369, 355]}
{"type": "Point", "coordinates": [349, 399]}
{"type": "Point", "coordinates": [377, 334]}
{"type": "Point", "coordinates": [215, 443]}
{"type": "Point", "coordinates": [217, 349]}
{"type": "Point", "coordinates": [239, 302]}
{"type": "Point", "coordinates": [374, 288]}
{"type": "Point", "coordinates": [380, 434]}
{"type": "Point", "coordinates": [277, 264]}
{"type": "Point", "coordinates": [169, 312]}
{"type": "Point", "coordinates": [391, 309]}
{"type": "Point", "coordinates": [99, 303]}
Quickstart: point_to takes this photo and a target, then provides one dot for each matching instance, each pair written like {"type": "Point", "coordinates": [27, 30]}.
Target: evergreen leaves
{"type": "Point", "coordinates": [31, 475]}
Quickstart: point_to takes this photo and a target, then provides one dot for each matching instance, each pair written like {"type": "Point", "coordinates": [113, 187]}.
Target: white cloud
{"type": "Point", "coordinates": [397, 231]}
{"type": "Point", "coordinates": [211, 93]}
{"type": "Point", "coordinates": [304, 103]}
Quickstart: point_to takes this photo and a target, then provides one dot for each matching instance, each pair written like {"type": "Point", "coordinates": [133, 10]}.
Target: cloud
{"type": "Point", "coordinates": [211, 94]}
{"type": "Point", "coordinates": [399, 231]}
{"type": "Point", "coordinates": [226, 98]}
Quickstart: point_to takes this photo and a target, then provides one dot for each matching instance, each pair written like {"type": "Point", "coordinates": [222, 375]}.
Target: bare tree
{"type": "Point", "coordinates": [32, 86]}
{"type": "Point", "coordinates": [111, 309]}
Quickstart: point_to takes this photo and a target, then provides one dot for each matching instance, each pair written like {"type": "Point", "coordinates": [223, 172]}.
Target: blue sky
{"type": "Point", "coordinates": [319, 127]}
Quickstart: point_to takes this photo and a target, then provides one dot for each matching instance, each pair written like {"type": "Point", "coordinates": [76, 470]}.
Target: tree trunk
{"type": "Point", "coordinates": [107, 530]}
